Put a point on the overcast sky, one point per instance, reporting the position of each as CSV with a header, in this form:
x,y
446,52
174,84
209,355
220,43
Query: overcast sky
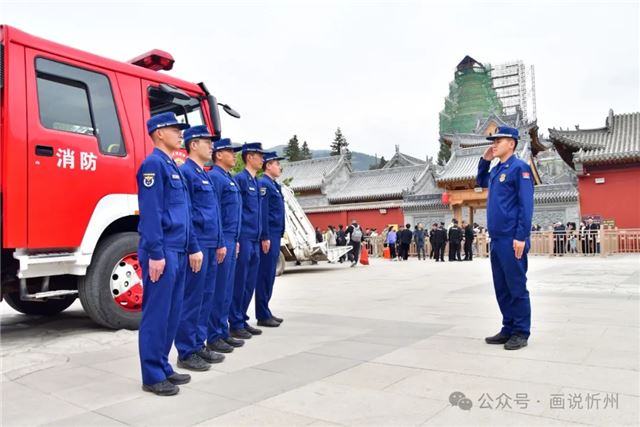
x,y
378,69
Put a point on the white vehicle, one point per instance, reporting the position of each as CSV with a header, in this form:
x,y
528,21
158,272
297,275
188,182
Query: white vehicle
x,y
299,241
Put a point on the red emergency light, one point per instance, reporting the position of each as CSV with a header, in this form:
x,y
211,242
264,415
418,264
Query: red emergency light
x,y
155,60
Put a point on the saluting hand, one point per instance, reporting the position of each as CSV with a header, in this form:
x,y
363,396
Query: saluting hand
x,y
195,261
266,245
156,267
488,154
518,248
221,253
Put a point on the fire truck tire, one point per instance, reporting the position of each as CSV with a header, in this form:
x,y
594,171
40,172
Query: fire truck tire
x,y
281,265
48,307
94,289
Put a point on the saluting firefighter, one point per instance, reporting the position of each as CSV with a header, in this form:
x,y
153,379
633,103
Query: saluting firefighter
x,y
230,201
273,224
250,232
509,216
166,236
199,288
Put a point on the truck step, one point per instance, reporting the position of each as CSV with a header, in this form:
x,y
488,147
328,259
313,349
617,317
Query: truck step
x,y
50,294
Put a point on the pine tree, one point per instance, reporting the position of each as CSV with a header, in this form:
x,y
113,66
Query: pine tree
x,y
378,164
292,150
339,143
305,153
444,154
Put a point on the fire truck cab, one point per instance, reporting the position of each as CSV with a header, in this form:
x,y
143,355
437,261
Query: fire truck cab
x,y
72,136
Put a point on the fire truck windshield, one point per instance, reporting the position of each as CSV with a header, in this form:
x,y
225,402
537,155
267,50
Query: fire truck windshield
x,y
187,111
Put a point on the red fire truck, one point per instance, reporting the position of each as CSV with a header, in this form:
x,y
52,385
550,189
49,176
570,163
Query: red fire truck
x,y
72,136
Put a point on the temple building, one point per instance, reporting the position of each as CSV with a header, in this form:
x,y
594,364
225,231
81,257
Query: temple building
x,y
607,163
555,197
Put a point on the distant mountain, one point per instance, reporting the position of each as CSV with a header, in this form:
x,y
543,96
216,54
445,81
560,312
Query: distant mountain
x,y
359,161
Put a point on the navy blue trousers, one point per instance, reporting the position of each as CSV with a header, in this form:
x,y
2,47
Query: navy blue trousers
x,y
266,278
197,305
161,306
222,295
245,282
510,283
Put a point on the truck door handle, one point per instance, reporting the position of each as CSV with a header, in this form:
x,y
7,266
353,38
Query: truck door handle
x,y
44,150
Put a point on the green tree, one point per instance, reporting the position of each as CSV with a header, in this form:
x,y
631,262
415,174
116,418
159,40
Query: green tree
x,y
339,143
292,150
444,154
378,164
305,153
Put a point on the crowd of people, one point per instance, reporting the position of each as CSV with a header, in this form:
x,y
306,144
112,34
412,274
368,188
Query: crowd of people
x,y
572,239
398,240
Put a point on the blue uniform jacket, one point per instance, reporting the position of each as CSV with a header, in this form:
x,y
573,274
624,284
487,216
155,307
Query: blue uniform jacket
x,y
510,202
207,224
272,208
251,219
165,207
230,202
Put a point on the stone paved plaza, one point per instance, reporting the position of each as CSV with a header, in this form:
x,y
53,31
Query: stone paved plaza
x,y
386,344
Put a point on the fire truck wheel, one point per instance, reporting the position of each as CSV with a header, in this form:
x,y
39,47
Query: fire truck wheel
x,y
281,265
47,307
111,292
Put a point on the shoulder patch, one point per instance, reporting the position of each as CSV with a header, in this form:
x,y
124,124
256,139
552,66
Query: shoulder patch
x,y
526,175
148,179
263,191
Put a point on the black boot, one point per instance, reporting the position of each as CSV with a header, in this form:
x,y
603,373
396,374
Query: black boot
x,y
498,338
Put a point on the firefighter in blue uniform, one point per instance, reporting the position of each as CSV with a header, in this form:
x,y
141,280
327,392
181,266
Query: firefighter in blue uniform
x,y
199,287
273,223
165,239
250,232
230,202
509,215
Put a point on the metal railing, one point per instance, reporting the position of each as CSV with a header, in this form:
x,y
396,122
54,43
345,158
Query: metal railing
x,y
600,242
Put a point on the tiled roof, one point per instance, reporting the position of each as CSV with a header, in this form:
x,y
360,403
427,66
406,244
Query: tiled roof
x,y
555,193
309,174
618,141
378,184
465,139
362,206
425,201
399,159
463,163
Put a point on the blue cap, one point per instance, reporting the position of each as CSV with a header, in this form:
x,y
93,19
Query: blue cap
x,y
194,132
164,120
271,155
252,147
225,144
505,132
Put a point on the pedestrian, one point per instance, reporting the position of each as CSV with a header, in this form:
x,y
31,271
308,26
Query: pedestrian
x,y
592,235
165,232
319,238
331,234
341,240
355,240
219,338
509,217
207,228
405,237
390,242
419,238
250,232
432,232
273,223
455,237
468,241
439,242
